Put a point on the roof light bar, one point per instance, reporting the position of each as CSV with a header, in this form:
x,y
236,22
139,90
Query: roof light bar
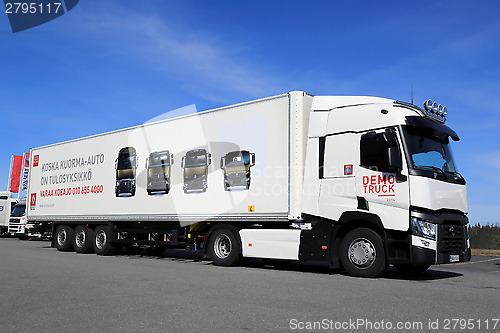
x,y
435,111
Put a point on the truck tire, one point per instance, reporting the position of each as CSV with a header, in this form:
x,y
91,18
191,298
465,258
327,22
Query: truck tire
x,y
411,269
101,244
83,239
224,248
64,238
362,253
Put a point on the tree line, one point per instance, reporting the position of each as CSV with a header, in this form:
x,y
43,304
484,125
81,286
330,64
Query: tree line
x,y
485,236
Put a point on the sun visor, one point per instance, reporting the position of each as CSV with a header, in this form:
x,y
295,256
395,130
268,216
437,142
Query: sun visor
x,y
423,122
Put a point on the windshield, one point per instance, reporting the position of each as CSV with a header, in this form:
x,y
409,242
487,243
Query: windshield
x,y
126,162
429,150
157,160
157,171
195,160
18,211
237,158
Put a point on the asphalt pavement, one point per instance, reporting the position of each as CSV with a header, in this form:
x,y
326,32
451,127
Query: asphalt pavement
x,y
43,290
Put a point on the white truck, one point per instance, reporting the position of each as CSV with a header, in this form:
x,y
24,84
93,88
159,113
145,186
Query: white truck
x,y
18,220
6,205
358,182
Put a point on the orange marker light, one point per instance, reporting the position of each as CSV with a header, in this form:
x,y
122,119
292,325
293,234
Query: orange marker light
x,y
324,247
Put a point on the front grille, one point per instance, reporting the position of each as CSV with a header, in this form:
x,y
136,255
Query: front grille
x,y
125,186
452,238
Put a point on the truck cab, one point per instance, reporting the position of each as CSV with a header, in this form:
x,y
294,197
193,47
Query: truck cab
x,y
17,222
236,168
158,166
386,166
6,205
195,165
126,165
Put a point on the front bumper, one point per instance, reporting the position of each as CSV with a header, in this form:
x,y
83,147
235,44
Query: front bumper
x,y
125,186
451,244
158,185
195,184
422,256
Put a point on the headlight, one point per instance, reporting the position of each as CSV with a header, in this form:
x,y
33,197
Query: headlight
x,y
423,228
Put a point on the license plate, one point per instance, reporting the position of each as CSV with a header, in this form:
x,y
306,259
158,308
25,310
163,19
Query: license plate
x,y
454,258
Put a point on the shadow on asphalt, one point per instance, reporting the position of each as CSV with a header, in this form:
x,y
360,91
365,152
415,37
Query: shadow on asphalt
x,y
428,275
283,265
310,267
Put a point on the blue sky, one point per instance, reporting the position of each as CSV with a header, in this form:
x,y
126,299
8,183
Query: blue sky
x,y
110,64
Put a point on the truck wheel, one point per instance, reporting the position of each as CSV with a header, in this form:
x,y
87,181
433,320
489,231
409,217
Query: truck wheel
x,y
224,248
102,245
83,239
362,253
64,238
411,269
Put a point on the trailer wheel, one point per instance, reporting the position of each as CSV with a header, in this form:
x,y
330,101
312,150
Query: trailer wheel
x,y
102,245
411,269
83,239
64,238
224,248
362,253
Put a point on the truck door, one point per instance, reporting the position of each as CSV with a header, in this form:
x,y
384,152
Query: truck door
x,y
337,193
382,184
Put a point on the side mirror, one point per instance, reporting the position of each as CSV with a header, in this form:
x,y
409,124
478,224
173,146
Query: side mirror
x,y
136,162
252,159
222,162
171,159
182,161
393,159
389,137
147,163
116,164
209,159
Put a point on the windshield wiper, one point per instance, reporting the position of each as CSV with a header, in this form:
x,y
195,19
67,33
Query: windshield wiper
x,y
456,175
433,168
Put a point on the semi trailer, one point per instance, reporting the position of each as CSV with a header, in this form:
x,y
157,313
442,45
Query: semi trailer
x,y
358,182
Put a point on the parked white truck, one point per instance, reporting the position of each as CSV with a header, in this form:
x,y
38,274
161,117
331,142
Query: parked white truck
x,y
6,205
18,220
358,182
